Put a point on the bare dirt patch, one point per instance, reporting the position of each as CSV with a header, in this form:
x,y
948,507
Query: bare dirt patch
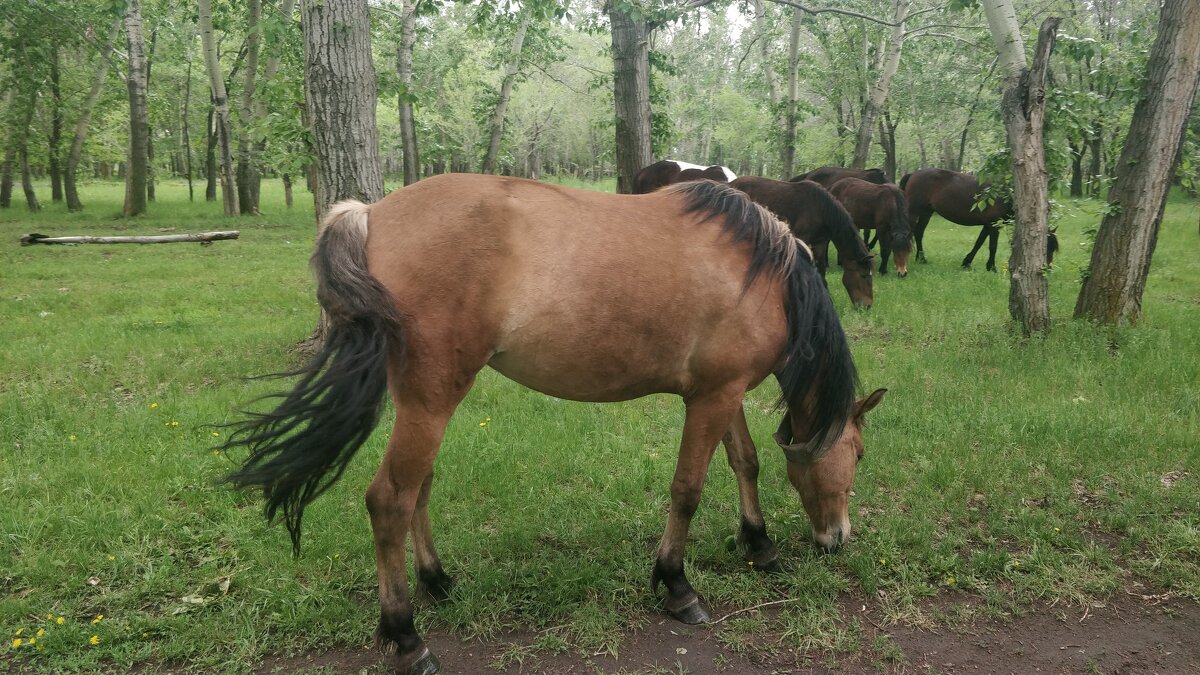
x,y
1131,632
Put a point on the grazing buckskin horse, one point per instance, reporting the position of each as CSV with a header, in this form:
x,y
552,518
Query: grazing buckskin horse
x,y
693,290
818,219
881,208
669,171
826,176
953,196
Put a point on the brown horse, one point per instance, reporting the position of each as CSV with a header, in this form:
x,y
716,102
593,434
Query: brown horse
x,y
826,176
670,171
589,296
817,218
954,196
881,208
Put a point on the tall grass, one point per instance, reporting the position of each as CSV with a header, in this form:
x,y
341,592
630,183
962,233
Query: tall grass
x,y
1010,471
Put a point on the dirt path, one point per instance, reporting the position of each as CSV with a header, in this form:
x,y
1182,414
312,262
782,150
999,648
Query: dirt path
x,y
1131,633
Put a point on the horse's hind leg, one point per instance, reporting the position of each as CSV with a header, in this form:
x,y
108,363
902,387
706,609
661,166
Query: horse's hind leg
x,y
743,459
396,501
920,221
428,567
706,421
983,234
992,243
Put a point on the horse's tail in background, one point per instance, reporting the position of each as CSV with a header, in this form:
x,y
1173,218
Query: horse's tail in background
x,y
819,369
904,180
301,448
901,224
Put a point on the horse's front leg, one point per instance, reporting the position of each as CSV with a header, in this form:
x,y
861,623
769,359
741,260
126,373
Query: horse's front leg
x,y
705,421
743,459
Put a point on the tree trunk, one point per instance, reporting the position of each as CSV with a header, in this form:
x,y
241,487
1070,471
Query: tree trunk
x,y
31,199
1096,161
287,190
247,163
1112,291
210,155
887,141
229,193
85,116
879,90
631,92
339,80
139,132
286,9
56,124
511,70
404,61
186,135
149,129
6,176
790,121
1076,149
1023,109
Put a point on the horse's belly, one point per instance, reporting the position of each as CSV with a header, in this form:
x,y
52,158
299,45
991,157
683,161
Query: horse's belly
x,y
585,374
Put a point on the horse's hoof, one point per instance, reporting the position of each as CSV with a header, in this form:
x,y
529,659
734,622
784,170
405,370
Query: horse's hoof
x,y
437,584
691,612
425,664
771,566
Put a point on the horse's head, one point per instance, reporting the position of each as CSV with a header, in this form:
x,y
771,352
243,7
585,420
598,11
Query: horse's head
x,y
857,277
824,482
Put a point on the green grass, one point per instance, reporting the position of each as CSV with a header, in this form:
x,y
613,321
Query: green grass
x,y
1002,471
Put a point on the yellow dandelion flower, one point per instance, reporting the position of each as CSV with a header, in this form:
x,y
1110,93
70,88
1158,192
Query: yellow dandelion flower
x,y
41,632
19,631
216,452
49,616
153,406
483,424
951,580
145,635
94,640
60,621
883,561
1056,530
98,619
71,438
17,642
112,557
32,642
216,433
489,419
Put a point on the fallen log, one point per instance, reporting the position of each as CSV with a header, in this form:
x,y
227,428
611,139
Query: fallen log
x,y
202,237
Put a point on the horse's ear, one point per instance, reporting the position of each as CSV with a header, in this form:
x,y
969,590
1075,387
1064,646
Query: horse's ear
x,y
866,405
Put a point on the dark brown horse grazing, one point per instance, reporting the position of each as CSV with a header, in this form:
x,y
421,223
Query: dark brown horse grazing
x,y
953,196
881,208
818,219
826,176
670,171
589,296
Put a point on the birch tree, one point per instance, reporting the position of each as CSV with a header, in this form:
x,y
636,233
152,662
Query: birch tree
x,y
70,191
404,67
216,81
139,120
512,68
887,64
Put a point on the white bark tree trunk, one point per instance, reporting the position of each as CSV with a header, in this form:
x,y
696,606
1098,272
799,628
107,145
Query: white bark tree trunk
x,y
139,119
216,81
404,64
85,116
890,63
511,69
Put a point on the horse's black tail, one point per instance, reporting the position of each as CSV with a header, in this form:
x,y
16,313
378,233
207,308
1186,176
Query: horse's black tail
x,y
901,224
818,375
301,448
904,180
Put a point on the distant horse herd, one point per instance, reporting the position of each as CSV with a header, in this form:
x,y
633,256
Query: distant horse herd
x,y
702,287
896,214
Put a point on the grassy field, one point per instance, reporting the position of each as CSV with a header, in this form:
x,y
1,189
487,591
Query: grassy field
x,y
1000,475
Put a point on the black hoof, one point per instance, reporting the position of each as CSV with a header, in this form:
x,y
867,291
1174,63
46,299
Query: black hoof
x,y
425,664
691,612
771,566
437,583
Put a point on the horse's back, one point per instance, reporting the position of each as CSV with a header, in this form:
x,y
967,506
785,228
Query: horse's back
x,y
569,291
